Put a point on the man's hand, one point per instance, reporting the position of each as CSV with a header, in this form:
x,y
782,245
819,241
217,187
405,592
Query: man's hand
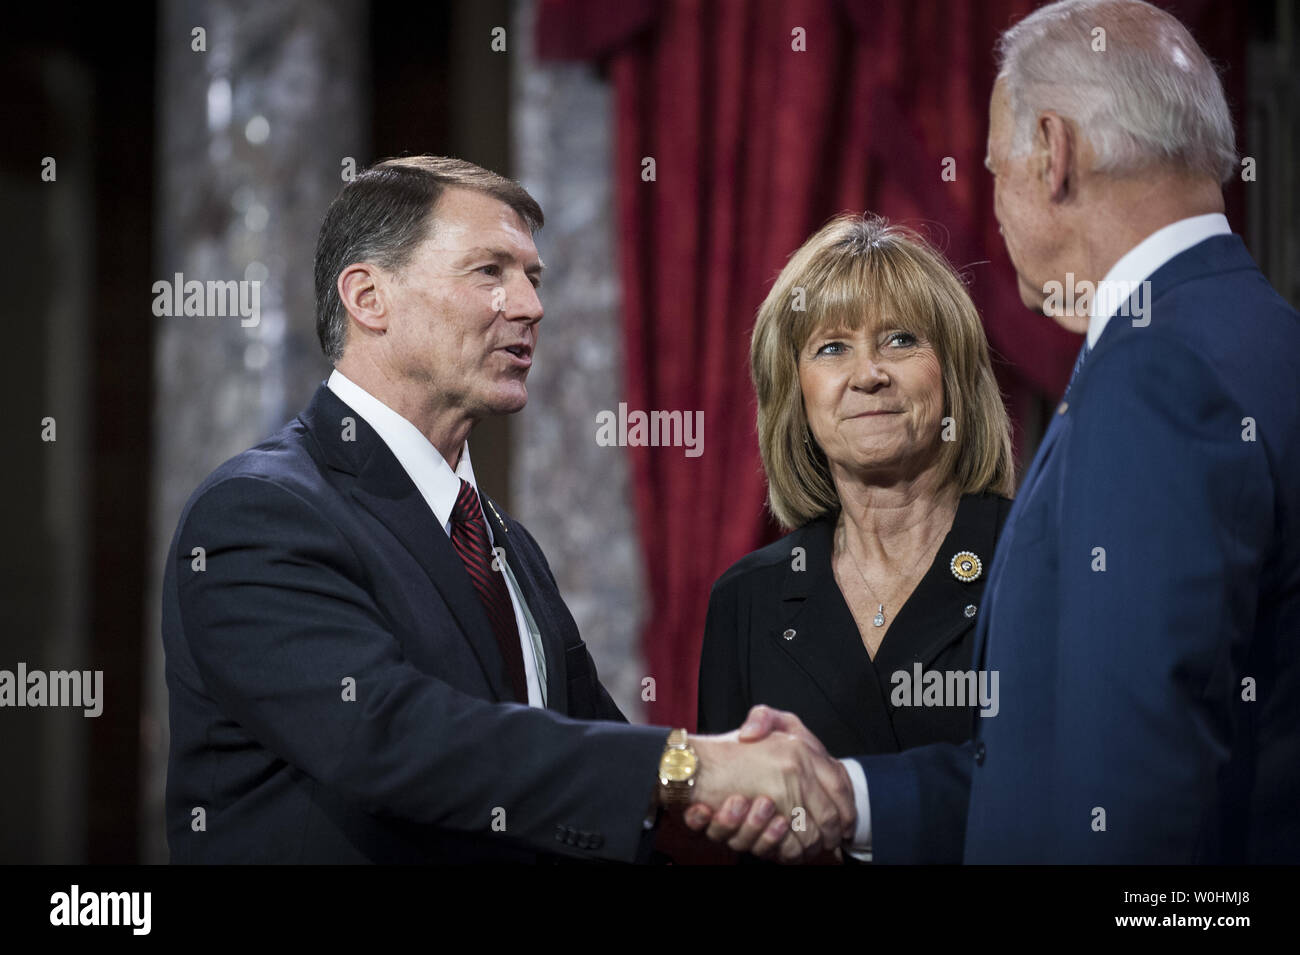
x,y
753,780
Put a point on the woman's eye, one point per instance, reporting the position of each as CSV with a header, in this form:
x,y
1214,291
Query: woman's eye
x,y
902,339
830,345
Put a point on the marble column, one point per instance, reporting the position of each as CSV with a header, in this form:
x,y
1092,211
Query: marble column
x,y
254,131
574,495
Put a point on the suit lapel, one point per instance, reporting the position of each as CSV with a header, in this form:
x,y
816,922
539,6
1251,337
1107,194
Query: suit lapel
x,y
825,642
539,604
385,490
934,615
1008,538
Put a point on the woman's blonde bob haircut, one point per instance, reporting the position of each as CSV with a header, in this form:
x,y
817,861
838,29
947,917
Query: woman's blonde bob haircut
x,y
860,271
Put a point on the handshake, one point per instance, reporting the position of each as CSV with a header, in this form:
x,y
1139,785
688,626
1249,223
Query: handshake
x,y
770,788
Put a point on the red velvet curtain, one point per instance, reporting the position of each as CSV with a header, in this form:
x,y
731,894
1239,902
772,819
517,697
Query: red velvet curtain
x,y
755,145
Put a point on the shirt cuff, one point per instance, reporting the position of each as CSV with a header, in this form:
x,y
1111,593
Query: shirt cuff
x,y
860,848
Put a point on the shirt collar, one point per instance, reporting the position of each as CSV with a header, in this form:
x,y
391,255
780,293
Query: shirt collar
x,y
1141,262
433,477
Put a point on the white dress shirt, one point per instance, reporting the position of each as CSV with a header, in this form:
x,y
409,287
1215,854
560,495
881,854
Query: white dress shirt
x,y
1140,262
1135,266
439,485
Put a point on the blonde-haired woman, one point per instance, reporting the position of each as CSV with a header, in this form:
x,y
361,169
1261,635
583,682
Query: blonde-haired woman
x,y
888,453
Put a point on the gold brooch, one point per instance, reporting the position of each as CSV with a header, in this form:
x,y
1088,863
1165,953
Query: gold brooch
x,y
966,567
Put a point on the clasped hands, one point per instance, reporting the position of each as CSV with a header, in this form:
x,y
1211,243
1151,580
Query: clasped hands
x,y
770,788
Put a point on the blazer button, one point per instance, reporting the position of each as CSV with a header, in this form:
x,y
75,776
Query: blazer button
x,y
789,634
970,610
979,754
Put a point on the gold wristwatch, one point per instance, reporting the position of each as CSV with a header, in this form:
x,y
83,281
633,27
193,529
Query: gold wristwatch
x,y
678,768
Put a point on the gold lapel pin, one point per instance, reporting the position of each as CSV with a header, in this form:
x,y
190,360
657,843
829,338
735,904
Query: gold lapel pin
x,y
497,516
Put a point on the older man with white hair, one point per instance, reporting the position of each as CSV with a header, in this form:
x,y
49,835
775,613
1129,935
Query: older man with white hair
x,y
1143,609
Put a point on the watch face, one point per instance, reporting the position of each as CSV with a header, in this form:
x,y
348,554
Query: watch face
x,y
677,765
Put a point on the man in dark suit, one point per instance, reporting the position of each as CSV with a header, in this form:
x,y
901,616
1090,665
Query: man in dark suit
x,y
367,660
1143,609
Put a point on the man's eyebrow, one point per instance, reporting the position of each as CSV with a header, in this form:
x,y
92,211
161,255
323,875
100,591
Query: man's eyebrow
x,y
500,255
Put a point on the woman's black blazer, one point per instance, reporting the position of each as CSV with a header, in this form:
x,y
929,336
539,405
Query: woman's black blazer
x,y
779,632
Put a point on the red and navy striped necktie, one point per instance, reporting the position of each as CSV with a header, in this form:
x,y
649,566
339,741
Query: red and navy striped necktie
x,y
469,536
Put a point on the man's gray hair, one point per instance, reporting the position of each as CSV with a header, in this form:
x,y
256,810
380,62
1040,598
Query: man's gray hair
x,y
1150,97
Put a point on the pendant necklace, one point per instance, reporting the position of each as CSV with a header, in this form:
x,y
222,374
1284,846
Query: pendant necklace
x,y
879,619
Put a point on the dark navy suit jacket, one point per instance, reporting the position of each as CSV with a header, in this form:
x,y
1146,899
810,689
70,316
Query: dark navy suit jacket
x,y
1150,710
324,575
